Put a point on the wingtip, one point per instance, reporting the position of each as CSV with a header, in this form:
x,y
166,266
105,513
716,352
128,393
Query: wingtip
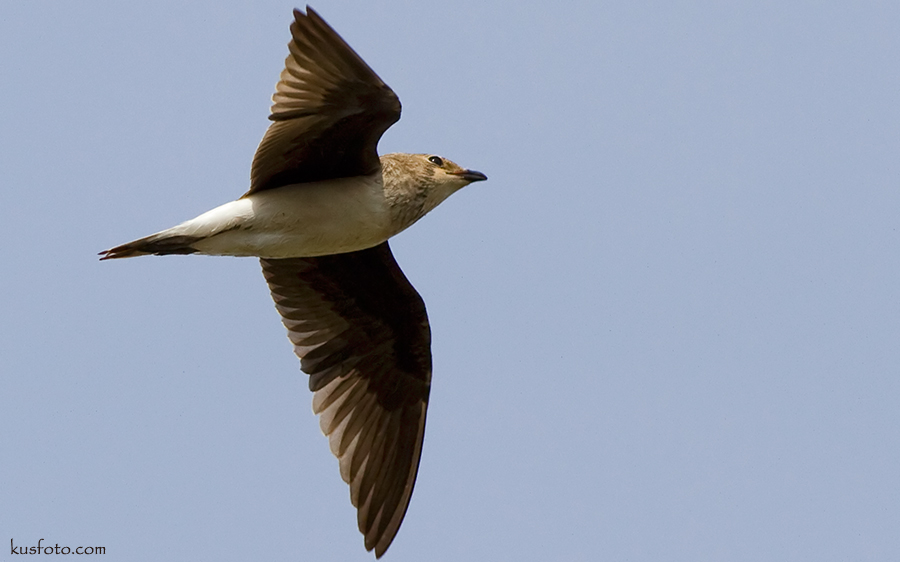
x,y
310,13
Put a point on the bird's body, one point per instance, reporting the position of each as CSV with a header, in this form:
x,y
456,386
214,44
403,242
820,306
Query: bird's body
x,y
320,210
319,218
301,220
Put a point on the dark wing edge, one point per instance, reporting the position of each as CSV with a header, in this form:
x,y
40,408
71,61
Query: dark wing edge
x,y
330,110
362,334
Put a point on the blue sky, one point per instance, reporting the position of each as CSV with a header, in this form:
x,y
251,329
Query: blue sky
x,y
667,327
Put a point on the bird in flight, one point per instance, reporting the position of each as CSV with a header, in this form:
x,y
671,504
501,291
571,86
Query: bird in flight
x,y
320,210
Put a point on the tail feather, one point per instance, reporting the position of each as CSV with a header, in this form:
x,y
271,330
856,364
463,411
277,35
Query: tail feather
x,y
153,244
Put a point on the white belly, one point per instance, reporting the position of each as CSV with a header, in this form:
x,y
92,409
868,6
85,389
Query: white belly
x,y
311,219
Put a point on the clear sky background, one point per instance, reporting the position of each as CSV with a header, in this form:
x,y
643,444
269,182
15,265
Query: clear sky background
x,y
666,329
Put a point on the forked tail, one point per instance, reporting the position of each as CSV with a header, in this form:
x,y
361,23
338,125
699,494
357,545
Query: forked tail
x,y
155,244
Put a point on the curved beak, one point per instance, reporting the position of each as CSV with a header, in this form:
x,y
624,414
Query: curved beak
x,y
470,175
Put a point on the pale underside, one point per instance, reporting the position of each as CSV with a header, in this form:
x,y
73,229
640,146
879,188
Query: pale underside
x,y
312,219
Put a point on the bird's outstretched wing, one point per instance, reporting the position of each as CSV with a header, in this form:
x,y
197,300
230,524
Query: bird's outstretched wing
x,y
330,111
362,334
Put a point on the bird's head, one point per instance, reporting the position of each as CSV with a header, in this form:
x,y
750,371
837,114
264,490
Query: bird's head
x,y
417,183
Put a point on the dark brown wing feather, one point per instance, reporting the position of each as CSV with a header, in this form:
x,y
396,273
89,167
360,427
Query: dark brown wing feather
x,y
330,111
361,332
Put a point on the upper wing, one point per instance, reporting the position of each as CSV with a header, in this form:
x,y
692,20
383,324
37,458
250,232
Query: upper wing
x,y
330,111
361,332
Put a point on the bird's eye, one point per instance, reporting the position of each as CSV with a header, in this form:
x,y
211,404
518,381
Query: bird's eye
x,y
436,160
